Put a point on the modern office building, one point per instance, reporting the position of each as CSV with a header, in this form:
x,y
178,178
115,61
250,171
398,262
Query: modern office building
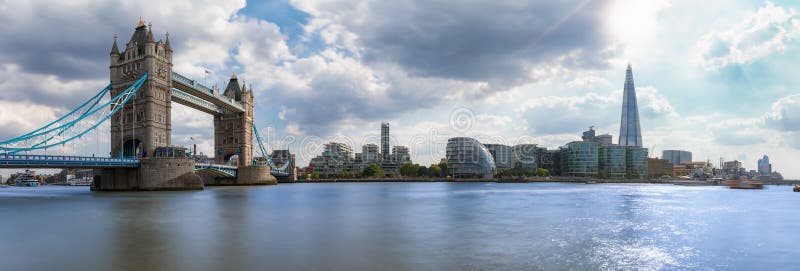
x,y
630,133
580,159
611,161
602,140
676,157
501,155
385,141
764,167
549,160
468,158
525,156
635,162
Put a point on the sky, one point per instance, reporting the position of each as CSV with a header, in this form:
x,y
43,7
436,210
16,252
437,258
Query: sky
x,y
717,78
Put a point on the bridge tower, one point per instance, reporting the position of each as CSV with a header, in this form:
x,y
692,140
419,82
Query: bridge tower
x,y
233,132
145,122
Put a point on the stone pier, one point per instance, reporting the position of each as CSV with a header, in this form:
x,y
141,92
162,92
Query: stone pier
x,y
153,174
251,175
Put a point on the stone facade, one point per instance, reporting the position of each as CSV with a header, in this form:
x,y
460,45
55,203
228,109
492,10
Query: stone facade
x,y
144,123
153,174
233,132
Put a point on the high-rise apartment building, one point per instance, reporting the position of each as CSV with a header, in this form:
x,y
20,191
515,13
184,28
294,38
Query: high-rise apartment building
x,y
385,141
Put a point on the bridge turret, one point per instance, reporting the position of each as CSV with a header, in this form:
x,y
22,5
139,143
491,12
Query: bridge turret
x,y
114,51
144,123
168,49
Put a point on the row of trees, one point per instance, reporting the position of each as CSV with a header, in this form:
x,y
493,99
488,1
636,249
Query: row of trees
x,y
415,170
521,172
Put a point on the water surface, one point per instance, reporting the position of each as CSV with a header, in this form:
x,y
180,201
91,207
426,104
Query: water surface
x,y
402,226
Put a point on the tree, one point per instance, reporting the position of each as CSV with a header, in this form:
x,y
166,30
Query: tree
x,y
422,171
347,174
314,176
443,167
435,171
372,170
602,174
409,170
541,172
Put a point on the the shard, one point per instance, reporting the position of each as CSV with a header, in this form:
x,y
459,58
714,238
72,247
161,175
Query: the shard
x,y
630,134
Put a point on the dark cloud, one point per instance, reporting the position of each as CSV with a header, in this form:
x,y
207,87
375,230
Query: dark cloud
x,y
500,42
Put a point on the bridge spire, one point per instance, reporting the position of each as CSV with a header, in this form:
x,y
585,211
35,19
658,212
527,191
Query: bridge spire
x,y
114,49
166,44
150,34
140,23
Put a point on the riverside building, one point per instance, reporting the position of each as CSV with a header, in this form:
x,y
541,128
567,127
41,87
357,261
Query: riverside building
x,y
468,158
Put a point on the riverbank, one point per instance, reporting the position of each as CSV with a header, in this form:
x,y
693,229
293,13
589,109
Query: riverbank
x,y
538,180
497,180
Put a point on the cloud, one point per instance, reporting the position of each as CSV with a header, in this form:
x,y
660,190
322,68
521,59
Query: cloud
x,y
17,118
501,43
767,31
785,114
738,132
320,92
562,114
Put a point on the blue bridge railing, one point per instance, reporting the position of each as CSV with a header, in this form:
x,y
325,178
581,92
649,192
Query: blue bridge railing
x,y
55,161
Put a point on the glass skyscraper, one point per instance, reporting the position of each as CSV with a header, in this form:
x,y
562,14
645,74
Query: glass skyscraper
x,y
630,134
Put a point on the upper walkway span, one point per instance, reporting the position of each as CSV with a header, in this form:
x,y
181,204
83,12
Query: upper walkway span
x,y
190,93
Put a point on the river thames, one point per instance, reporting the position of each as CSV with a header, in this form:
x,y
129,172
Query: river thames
x,y
402,226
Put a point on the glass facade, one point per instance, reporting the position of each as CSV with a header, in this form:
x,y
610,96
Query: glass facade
x,y
636,162
501,155
630,134
525,156
579,159
676,157
468,158
612,161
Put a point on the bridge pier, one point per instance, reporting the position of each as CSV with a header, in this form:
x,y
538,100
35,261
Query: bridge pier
x,y
250,175
153,174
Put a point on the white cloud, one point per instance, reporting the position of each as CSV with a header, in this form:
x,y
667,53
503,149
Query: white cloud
x,y
561,114
766,31
784,114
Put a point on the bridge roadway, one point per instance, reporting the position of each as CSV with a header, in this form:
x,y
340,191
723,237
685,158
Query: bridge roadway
x,y
62,161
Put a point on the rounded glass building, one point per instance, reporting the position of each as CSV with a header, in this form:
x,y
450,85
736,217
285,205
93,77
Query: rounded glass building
x,y
468,158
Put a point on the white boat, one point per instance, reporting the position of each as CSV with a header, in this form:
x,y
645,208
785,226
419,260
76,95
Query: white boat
x,y
26,179
80,181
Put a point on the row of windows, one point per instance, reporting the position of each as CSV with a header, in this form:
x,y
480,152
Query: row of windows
x,y
161,117
131,67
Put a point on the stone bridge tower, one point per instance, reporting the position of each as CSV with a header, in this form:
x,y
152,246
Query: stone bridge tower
x,y
144,123
233,132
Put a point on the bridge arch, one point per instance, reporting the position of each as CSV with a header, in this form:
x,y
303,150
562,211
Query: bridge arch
x,y
132,148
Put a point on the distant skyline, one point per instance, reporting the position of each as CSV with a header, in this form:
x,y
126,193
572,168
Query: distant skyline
x,y
716,78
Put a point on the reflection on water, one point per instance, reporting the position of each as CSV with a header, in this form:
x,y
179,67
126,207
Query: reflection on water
x,y
409,226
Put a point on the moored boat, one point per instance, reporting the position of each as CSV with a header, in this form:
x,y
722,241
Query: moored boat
x,y
796,188
26,179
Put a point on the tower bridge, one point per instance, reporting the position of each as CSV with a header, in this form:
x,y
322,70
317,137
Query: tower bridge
x,y
142,90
